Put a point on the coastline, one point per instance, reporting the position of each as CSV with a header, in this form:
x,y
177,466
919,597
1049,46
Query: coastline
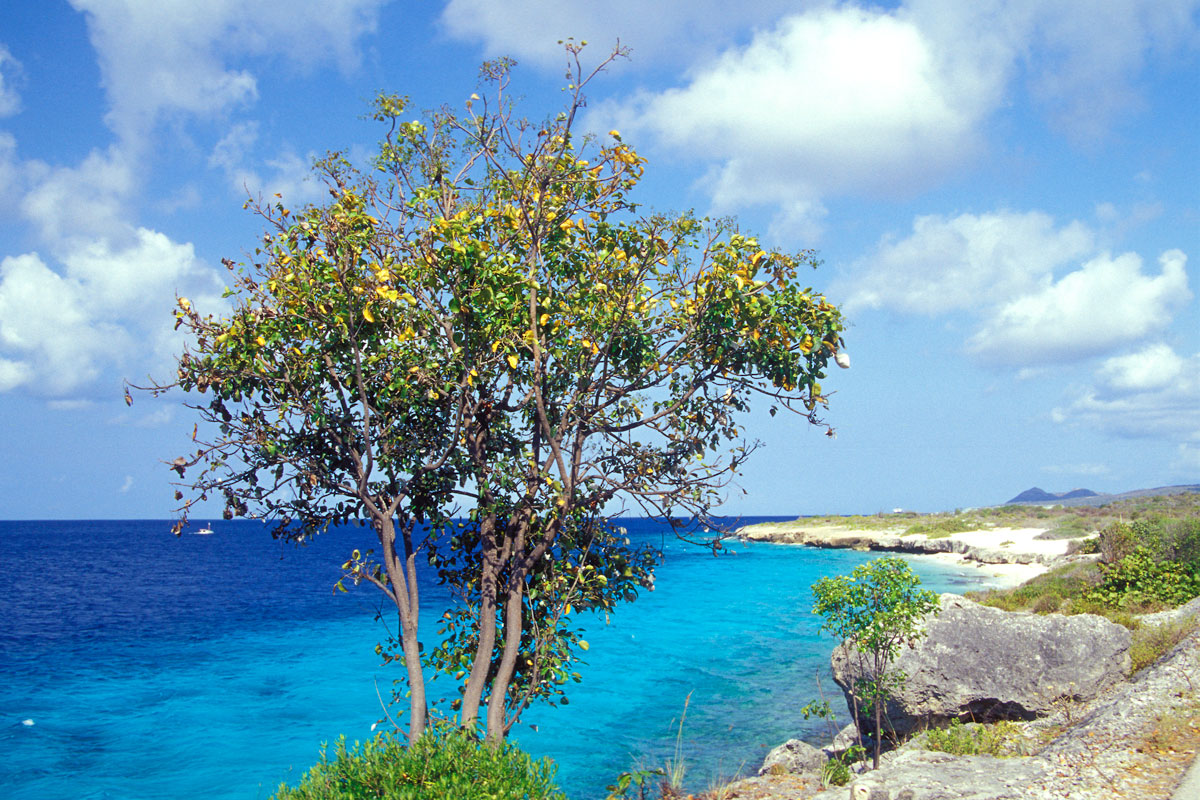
x,y
1009,556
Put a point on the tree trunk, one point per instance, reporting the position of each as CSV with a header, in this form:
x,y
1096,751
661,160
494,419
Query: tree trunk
x,y
486,623
407,598
878,728
513,626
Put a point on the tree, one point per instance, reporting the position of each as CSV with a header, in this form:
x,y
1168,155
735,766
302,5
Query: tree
x,y
874,612
483,349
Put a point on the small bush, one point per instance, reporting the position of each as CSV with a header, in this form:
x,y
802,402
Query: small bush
x,y
1001,739
1045,592
1139,579
1117,541
1151,642
441,765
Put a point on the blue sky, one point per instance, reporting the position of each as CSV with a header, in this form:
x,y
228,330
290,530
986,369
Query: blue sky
x,y
1006,196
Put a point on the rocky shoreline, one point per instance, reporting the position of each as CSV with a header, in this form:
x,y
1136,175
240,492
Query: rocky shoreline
x,y
1000,547
1109,735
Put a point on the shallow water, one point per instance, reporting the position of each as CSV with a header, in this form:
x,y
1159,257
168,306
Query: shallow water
x,y
214,666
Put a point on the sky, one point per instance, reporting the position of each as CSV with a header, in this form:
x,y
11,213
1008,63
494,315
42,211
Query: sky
x,y
1005,196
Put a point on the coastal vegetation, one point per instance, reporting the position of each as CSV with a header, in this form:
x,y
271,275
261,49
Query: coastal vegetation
x,y
1060,521
481,348
442,764
874,612
1148,553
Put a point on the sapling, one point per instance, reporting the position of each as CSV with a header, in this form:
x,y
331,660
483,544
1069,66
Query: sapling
x,y
874,611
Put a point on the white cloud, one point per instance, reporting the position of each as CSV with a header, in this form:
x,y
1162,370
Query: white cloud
x,y
289,176
965,262
1157,399
831,101
842,99
13,374
529,30
1021,276
10,72
68,203
110,308
1105,304
171,55
127,485
1153,369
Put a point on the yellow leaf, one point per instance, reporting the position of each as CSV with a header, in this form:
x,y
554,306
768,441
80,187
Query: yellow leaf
x,y
261,341
583,645
513,361
367,315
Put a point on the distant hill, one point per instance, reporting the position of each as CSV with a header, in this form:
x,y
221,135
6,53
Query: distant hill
x,y
1086,497
1036,495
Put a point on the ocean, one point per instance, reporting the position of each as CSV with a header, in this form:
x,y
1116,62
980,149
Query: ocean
x,y
137,665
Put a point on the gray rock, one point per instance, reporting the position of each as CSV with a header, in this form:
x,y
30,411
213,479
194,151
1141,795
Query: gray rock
x,y
924,775
793,756
846,738
983,664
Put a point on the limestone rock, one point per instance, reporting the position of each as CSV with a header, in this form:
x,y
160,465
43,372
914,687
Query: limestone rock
x,y
983,664
924,775
793,756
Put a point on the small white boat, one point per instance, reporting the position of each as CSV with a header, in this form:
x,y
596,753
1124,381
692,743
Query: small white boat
x,y
205,531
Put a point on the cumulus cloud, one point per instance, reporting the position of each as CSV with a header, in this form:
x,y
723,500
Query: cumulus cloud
x,y
170,56
832,101
109,307
68,203
100,297
1151,393
964,262
1153,369
664,30
10,73
1105,304
843,99
1040,292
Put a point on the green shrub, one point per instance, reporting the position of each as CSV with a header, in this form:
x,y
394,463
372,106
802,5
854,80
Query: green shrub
x,y
1117,541
1045,592
441,765
1181,538
1001,739
1150,642
1140,579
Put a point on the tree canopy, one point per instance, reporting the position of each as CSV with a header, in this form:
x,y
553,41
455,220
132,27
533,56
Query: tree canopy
x,y
482,346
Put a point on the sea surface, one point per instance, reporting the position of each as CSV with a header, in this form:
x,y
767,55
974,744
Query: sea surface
x,y
138,665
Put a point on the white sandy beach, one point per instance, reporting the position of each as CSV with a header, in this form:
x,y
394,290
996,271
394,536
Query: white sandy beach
x,y
1006,556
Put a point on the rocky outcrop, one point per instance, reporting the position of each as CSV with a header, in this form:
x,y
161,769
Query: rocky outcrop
x,y
983,664
793,756
1096,750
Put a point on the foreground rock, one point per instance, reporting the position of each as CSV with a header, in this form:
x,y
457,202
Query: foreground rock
x,y
794,757
978,663
1134,741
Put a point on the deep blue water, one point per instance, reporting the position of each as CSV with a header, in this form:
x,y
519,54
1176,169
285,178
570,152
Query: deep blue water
x,y
214,666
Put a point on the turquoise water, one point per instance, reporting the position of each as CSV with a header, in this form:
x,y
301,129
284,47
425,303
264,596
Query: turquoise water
x,y
155,667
